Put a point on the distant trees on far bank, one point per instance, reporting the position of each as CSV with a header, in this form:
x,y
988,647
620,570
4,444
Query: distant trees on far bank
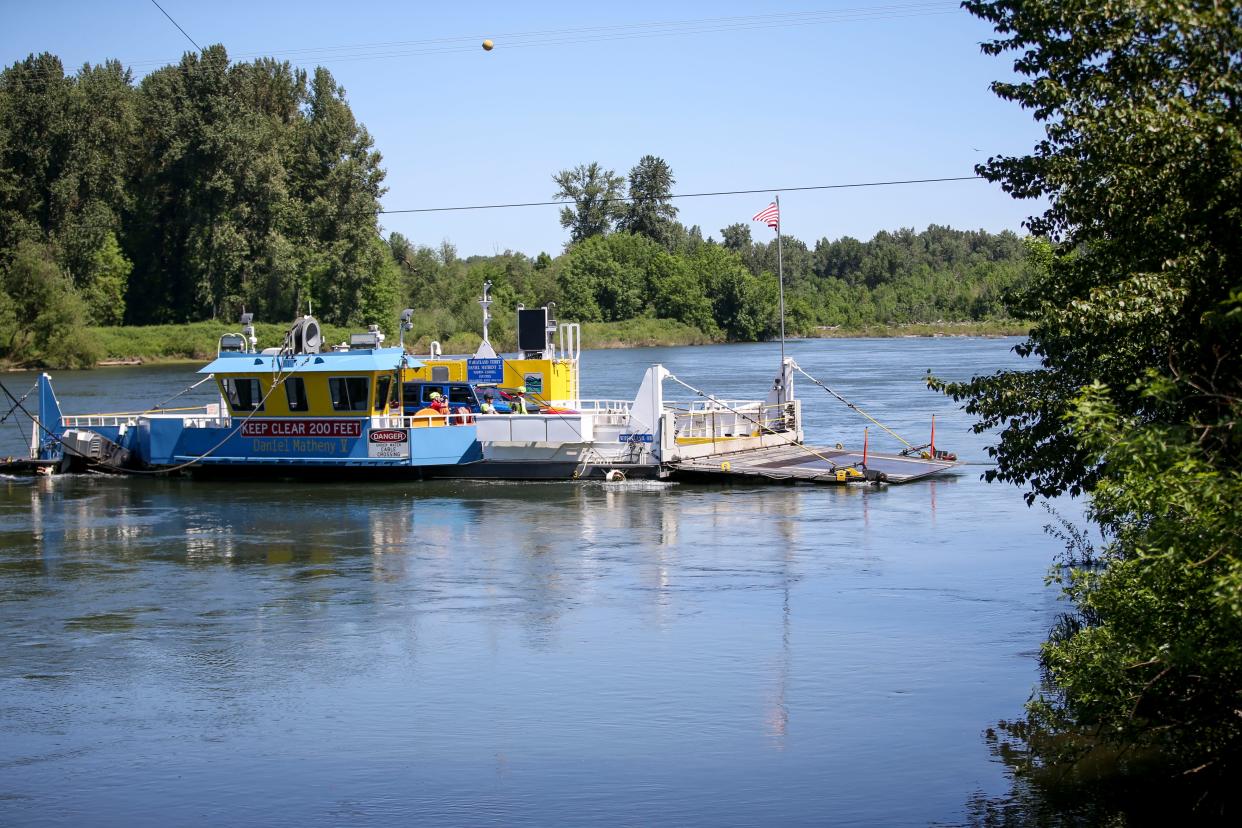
x,y
204,187
726,289
209,186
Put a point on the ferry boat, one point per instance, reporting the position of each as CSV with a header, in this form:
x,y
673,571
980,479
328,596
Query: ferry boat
x,y
565,436
360,409
296,410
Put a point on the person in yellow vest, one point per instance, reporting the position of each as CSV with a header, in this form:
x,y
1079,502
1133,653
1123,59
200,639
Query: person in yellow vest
x,y
518,404
487,407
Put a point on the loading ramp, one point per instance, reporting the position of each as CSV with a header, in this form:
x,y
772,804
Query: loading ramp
x,y
811,464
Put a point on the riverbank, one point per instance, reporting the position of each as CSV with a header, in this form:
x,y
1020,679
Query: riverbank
x,y
1004,327
197,341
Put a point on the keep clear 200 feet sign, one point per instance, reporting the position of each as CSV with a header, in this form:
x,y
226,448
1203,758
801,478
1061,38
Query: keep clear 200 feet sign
x,y
388,443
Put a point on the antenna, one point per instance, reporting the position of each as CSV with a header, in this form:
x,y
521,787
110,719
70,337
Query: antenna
x,y
247,320
485,349
406,325
486,303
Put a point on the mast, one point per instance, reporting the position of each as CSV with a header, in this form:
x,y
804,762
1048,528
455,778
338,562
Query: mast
x,y
780,271
485,350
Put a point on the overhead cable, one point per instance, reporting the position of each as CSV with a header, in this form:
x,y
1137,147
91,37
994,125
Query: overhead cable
x,y
688,195
178,25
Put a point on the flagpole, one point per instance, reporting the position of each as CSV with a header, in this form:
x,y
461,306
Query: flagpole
x,y
780,271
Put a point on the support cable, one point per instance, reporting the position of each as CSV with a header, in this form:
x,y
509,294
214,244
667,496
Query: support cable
x,y
18,402
159,406
853,407
277,378
793,441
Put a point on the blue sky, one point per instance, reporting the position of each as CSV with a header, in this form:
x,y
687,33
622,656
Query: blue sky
x,y
768,102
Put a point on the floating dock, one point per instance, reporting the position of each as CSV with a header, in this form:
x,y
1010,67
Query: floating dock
x,y
812,464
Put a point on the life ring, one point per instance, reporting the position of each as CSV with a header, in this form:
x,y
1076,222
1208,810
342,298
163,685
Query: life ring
x,y
463,416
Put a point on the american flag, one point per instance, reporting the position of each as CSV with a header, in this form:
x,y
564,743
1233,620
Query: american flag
x,y
770,215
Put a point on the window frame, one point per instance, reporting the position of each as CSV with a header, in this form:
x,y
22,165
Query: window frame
x,y
302,403
464,393
231,392
360,403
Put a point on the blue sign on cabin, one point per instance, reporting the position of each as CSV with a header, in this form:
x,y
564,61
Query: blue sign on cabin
x,y
485,370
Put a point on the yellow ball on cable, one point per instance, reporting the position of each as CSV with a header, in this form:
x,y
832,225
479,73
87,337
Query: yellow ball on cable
x,y
488,45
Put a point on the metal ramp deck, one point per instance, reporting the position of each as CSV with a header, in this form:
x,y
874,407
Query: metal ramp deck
x,y
812,464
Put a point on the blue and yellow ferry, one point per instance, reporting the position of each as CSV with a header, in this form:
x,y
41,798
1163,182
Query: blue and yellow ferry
x,y
298,410
361,409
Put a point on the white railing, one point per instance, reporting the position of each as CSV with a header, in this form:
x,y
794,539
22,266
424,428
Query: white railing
x,y
738,419
205,416
605,406
422,420
98,420
536,428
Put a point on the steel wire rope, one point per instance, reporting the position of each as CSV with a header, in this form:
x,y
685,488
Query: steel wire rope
x,y
571,40
852,406
178,25
18,404
558,37
716,25
163,471
159,406
13,408
337,55
595,33
565,202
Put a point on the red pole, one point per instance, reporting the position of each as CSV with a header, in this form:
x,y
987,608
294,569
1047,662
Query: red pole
x,y
865,430
933,437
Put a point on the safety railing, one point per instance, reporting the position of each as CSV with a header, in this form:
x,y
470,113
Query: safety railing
x,y
733,419
423,420
197,417
607,406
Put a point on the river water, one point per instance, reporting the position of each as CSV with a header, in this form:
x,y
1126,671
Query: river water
x,y
458,653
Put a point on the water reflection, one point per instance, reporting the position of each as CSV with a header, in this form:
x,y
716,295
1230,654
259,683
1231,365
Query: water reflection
x,y
519,654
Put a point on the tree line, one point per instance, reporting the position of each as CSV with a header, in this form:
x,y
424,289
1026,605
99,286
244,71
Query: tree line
x,y
205,187
210,186
1133,397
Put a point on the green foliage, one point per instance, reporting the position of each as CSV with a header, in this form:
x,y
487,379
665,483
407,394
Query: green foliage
x,y
1153,657
1142,164
1137,311
225,185
650,211
213,186
191,341
104,291
42,317
598,200
642,331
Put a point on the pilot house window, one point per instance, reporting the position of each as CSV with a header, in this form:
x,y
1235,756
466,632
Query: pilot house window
x,y
295,393
350,393
243,394
381,392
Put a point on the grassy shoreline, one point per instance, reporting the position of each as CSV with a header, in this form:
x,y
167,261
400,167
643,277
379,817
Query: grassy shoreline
x,y
1006,327
196,341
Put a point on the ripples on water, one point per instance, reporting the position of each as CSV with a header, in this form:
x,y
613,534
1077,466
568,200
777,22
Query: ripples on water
x,y
175,651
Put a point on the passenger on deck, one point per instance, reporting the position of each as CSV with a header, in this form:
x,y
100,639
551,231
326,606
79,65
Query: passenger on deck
x,y
518,404
486,407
